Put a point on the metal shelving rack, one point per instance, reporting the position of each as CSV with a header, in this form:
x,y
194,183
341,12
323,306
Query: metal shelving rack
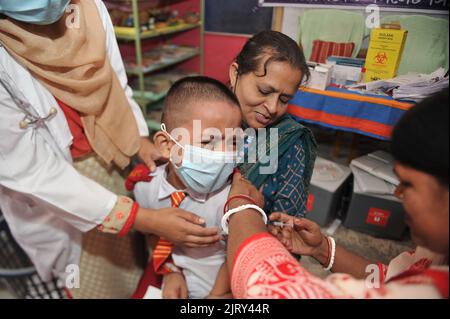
x,y
143,96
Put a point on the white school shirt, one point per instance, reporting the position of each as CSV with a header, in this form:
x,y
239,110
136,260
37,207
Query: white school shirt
x,y
46,202
200,265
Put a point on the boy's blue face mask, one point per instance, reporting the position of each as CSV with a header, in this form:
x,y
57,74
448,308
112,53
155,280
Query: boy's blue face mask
x,y
203,171
42,12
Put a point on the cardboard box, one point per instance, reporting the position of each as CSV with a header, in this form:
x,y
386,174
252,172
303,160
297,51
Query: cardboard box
x,y
346,71
375,214
320,76
328,186
384,53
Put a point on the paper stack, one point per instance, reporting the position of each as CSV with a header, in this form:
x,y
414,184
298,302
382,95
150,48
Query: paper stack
x,y
412,87
422,88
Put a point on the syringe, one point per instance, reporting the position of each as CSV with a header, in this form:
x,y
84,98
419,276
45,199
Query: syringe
x,y
280,224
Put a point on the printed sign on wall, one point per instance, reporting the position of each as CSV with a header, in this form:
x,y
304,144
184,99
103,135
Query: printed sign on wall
x,y
438,6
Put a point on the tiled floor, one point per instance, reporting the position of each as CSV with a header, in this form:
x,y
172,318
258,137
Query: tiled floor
x,y
4,293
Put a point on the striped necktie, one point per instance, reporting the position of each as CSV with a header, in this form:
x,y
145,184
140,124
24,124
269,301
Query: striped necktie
x,y
162,261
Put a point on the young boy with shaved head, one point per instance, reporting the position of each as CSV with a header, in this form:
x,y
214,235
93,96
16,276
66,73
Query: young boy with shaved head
x,y
197,113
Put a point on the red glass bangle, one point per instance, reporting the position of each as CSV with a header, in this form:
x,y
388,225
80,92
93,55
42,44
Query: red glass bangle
x,y
130,221
381,270
225,208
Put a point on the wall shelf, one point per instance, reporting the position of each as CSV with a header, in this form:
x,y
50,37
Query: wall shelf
x,y
163,65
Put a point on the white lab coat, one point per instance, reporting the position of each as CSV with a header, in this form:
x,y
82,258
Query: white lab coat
x,y
45,201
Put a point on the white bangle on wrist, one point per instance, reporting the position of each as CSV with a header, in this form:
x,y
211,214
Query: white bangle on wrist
x,y
240,209
333,253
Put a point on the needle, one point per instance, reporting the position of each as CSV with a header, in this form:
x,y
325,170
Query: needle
x,y
280,224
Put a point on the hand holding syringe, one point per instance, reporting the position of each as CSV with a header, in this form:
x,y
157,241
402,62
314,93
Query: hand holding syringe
x,y
299,235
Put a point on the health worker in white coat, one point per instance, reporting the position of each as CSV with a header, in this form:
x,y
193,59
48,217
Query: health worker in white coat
x,y
68,129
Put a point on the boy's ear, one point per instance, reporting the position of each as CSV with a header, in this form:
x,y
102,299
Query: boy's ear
x,y
233,74
162,143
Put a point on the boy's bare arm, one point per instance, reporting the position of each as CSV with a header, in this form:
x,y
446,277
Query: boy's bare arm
x,y
222,286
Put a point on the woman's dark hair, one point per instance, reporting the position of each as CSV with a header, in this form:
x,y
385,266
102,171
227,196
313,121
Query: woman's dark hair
x,y
278,46
420,139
